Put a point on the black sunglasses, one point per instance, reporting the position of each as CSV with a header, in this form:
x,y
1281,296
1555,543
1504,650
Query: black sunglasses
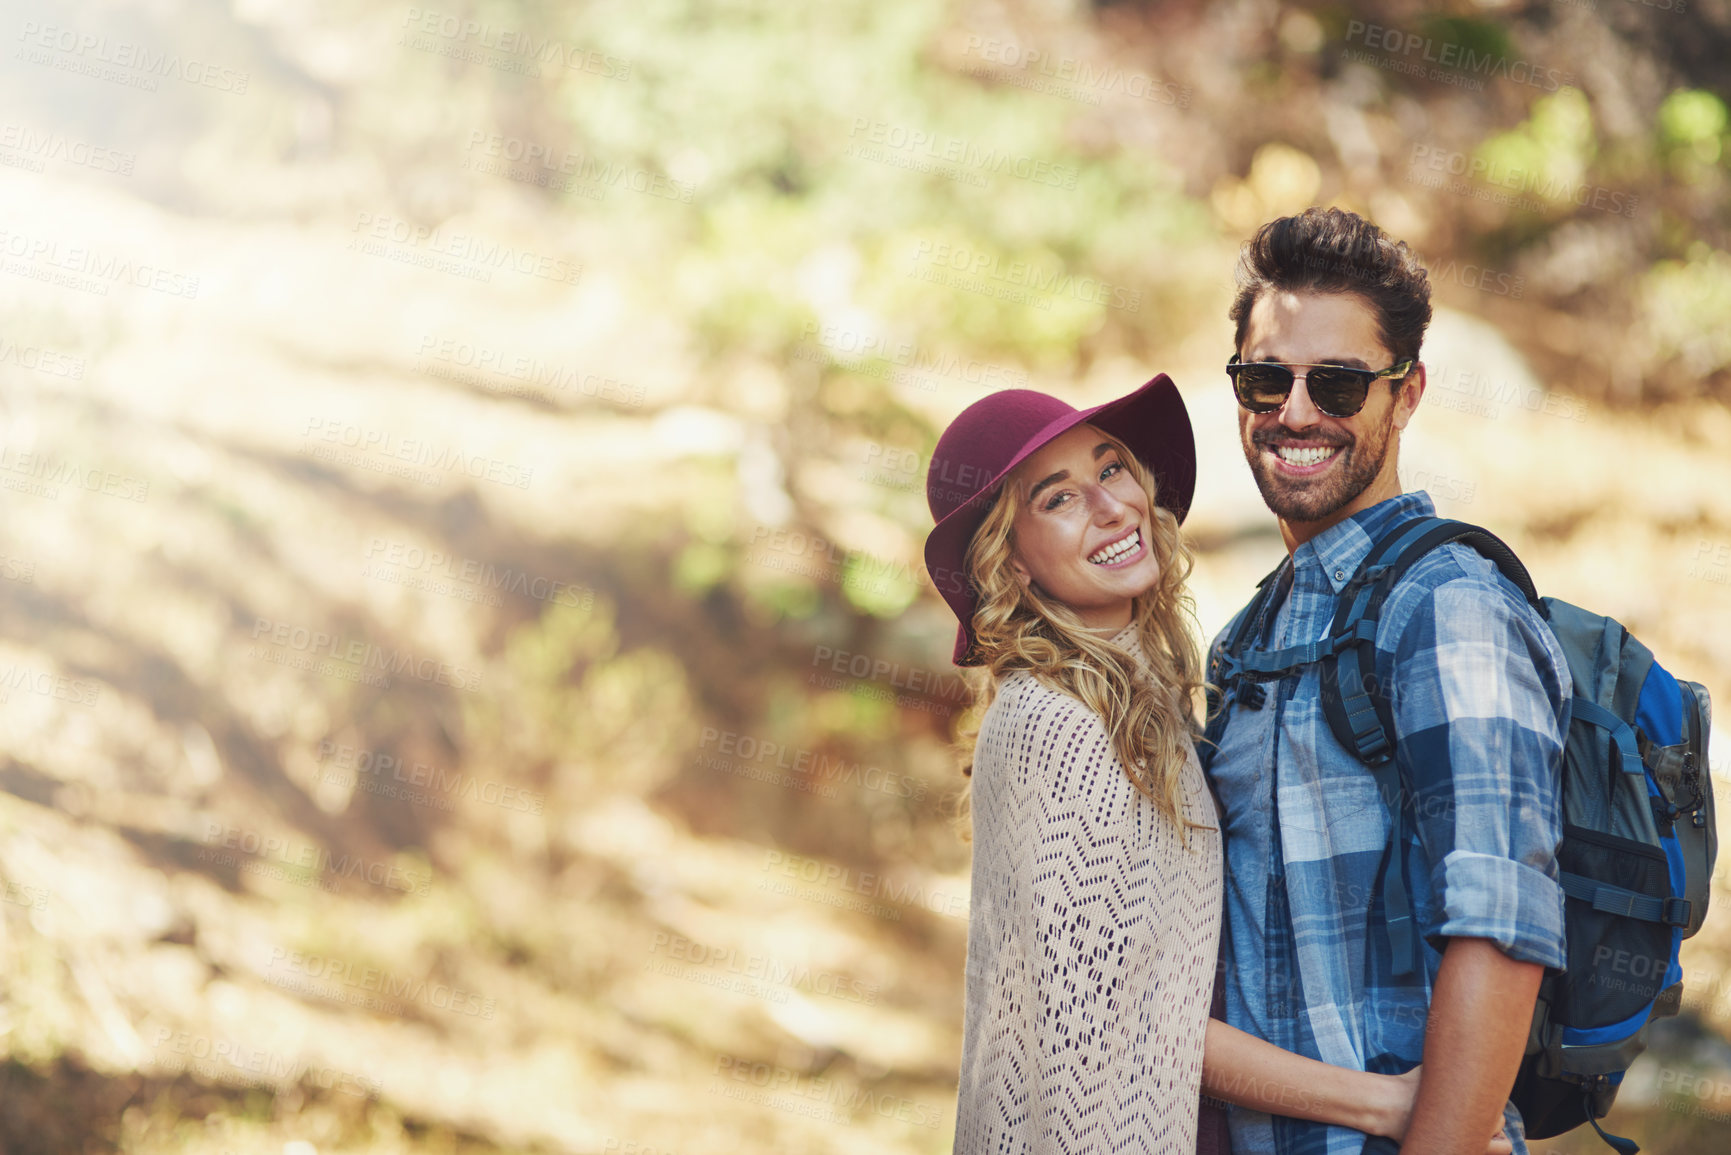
x,y
1263,386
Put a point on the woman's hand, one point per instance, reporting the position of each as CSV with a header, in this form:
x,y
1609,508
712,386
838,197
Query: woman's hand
x,y
1397,1113
1394,1115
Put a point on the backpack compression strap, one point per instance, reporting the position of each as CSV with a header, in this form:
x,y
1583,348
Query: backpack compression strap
x,y
1225,664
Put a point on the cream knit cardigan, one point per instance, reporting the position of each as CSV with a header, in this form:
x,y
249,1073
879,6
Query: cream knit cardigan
x,y
1092,940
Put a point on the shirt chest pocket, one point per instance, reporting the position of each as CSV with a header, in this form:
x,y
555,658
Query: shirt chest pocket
x,y
1323,790
1333,814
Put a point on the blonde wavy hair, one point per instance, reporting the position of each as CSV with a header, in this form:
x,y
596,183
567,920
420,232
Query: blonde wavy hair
x,y
1152,721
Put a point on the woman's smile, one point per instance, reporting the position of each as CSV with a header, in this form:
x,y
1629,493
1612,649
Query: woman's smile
x,y
1122,550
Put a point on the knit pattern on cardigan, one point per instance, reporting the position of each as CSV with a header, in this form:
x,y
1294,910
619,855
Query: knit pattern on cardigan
x,y
1092,940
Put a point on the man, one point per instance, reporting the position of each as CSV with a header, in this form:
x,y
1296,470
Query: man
x,y
1479,693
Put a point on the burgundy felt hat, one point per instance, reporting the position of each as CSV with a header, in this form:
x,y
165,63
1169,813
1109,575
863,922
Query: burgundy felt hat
x,y
995,434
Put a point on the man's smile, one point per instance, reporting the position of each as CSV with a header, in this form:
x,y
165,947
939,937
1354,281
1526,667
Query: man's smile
x,y
1299,456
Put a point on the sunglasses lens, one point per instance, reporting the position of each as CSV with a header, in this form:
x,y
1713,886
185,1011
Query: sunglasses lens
x,y
1261,388
1338,392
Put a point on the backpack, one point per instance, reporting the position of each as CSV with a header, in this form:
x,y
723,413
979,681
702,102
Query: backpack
x,y
1639,839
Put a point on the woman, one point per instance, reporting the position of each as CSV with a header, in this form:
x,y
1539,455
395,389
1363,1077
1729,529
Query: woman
x,y
1095,913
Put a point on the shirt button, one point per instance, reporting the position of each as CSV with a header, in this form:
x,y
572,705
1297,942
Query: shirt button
x,y
1339,575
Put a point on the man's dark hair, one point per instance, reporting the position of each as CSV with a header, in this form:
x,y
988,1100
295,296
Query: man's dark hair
x,y
1334,251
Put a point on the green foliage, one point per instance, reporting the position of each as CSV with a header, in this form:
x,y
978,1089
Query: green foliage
x,y
1553,148
1481,39
1686,304
1695,121
1690,116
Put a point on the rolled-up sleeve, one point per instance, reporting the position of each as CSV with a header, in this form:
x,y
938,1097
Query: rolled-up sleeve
x,y
1481,707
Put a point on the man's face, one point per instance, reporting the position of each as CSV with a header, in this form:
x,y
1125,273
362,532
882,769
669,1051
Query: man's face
x,y
1309,466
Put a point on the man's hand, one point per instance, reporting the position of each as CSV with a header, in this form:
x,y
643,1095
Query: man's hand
x,y
1480,1010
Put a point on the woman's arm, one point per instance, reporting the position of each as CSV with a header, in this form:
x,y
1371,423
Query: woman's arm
x,y
1240,1068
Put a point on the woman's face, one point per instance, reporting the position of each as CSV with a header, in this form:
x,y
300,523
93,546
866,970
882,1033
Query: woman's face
x,y
1083,532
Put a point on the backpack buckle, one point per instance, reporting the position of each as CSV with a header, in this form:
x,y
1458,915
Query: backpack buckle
x,y
1676,911
1368,576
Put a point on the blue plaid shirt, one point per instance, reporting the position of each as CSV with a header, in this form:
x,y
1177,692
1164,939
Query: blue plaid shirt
x,y
1480,694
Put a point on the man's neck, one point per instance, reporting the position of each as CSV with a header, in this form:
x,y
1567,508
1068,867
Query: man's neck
x,y
1296,533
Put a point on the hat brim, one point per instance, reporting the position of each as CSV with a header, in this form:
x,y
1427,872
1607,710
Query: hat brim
x,y
1152,421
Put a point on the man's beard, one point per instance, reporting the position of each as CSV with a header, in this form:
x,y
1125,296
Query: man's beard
x,y
1308,499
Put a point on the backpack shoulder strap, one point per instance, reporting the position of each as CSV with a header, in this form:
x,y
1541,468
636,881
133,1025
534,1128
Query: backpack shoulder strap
x,y
1225,674
1360,711
1356,708
1242,627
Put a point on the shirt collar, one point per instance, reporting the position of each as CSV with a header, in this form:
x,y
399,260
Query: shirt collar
x,y
1338,550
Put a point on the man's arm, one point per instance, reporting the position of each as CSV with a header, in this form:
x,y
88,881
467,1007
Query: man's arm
x,y
1481,716
1480,1010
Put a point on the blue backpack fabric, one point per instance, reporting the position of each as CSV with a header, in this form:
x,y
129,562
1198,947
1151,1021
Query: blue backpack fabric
x,y
1639,840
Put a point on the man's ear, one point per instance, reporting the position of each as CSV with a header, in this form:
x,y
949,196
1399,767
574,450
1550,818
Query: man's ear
x,y
1411,390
